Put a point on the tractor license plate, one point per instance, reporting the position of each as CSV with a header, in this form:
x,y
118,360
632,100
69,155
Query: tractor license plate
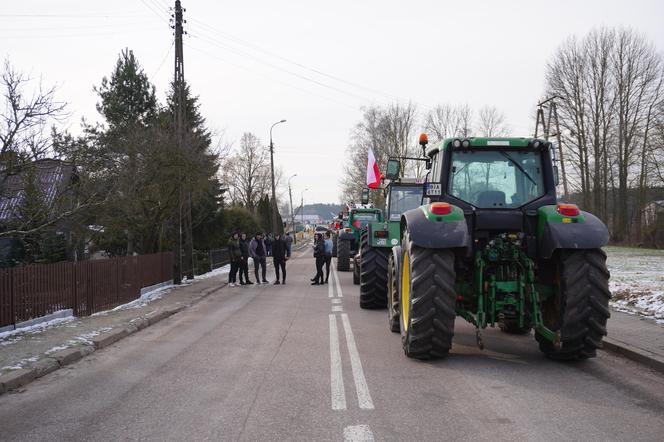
x,y
433,189
381,242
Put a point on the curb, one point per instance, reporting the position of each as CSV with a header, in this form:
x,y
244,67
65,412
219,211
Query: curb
x,y
18,378
636,354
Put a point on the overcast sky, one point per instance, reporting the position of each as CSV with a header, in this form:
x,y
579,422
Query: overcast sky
x,y
313,63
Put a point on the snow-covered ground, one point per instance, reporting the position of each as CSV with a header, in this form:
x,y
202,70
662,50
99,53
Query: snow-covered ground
x,y
637,280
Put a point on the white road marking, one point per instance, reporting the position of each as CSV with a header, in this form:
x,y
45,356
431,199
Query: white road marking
x,y
330,289
337,308
336,377
336,301
340,294
358,433
363,396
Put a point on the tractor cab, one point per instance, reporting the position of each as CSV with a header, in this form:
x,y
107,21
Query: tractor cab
x,y
498,184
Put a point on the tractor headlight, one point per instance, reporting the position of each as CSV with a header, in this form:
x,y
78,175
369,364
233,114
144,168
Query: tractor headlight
x,y
465,144
456,143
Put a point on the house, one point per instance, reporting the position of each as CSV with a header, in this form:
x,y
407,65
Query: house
x,y
52,179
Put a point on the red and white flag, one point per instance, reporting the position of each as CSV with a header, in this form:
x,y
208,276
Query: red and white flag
x,y
373,174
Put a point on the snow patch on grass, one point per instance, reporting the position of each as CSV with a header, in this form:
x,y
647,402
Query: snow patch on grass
x,y
33,329
637,281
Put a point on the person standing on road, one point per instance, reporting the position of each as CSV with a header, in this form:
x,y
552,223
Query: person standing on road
x,y
289,244
234,255
319,254
244,259
328,255
258,252
280,256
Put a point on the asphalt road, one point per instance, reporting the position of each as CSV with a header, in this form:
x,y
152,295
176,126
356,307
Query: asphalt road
x,y
297,362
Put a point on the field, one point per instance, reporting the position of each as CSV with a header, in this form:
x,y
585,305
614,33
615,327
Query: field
x,y
637,280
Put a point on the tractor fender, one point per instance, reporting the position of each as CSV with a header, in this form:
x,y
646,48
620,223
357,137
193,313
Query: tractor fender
x,y
434,234
590,234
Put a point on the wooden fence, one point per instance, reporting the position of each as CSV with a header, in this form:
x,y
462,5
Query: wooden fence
x,y
86,287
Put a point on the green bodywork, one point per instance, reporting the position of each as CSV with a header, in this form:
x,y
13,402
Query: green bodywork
x,y
504,281
491,142
356,225
549,214
387,234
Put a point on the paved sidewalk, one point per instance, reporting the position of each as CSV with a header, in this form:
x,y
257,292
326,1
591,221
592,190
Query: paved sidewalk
x,y
637,338
24,349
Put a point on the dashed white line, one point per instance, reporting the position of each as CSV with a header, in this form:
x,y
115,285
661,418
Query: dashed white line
x,y
363,396
336,377
336,301
337,308
358,433
330,288
340,294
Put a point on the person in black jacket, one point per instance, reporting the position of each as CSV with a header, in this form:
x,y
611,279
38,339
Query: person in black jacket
x,y
279,255
234,254
244,259
319,254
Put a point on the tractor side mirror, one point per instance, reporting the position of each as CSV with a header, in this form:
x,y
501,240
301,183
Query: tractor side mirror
x,y
393,169
556,179
427,164
365,196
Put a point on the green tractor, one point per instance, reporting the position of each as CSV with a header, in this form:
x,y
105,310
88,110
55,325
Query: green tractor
x,y
378,238
495,246
348,239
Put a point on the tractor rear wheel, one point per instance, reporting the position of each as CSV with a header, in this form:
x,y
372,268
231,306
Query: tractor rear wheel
x,y
343,255
581,309
373,275
428,300
393,294
335,240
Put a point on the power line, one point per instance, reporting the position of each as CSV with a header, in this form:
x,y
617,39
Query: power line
x,y
155,11
254,72
163,61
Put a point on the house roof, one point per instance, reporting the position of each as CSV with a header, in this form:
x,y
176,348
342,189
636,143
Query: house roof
x,y
51,176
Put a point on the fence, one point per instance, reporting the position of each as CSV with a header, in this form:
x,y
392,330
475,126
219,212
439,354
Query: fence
x,y
219,258
86,287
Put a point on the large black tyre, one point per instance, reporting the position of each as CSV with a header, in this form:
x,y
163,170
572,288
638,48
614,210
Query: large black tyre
x,y
428,300
343,255
581,310
335,240
393,294
373,275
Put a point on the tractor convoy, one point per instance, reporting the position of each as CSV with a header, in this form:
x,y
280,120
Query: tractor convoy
x,y
483,237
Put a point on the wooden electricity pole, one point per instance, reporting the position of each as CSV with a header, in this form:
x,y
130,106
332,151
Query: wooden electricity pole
x,y
184,256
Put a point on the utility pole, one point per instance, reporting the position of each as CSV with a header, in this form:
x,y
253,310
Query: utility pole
x,y
546,129
184,229
290,196
275,228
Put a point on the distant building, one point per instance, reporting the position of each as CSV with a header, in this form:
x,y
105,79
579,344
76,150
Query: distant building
x,y
313,218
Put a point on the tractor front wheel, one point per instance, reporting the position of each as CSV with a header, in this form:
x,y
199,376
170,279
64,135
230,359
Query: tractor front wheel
x,y
580,309
343,255
427,300
373,275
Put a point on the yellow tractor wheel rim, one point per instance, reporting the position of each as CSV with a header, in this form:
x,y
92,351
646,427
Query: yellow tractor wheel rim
x,y
405,290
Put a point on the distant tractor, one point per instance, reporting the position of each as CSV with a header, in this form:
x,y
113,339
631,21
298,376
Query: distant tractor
x,y
495,246
349,237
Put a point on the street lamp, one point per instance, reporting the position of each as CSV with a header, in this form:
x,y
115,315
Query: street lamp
x,y
302,205
290,196
274,197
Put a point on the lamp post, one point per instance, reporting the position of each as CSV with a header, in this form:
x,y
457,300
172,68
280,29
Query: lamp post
x,y
274,197
302,212
290,196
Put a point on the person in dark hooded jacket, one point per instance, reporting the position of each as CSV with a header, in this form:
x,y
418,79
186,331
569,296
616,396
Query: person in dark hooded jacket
x,y
244,260
319,254
279,255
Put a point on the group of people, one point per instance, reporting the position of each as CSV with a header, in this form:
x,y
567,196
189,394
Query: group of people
x,y
241,249
323,253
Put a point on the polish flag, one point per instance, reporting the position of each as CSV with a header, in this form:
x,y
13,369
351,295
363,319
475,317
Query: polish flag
x,y
373,174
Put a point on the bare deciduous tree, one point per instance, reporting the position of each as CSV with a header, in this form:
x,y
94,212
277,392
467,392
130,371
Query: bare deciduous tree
x,y
491,122
247,172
